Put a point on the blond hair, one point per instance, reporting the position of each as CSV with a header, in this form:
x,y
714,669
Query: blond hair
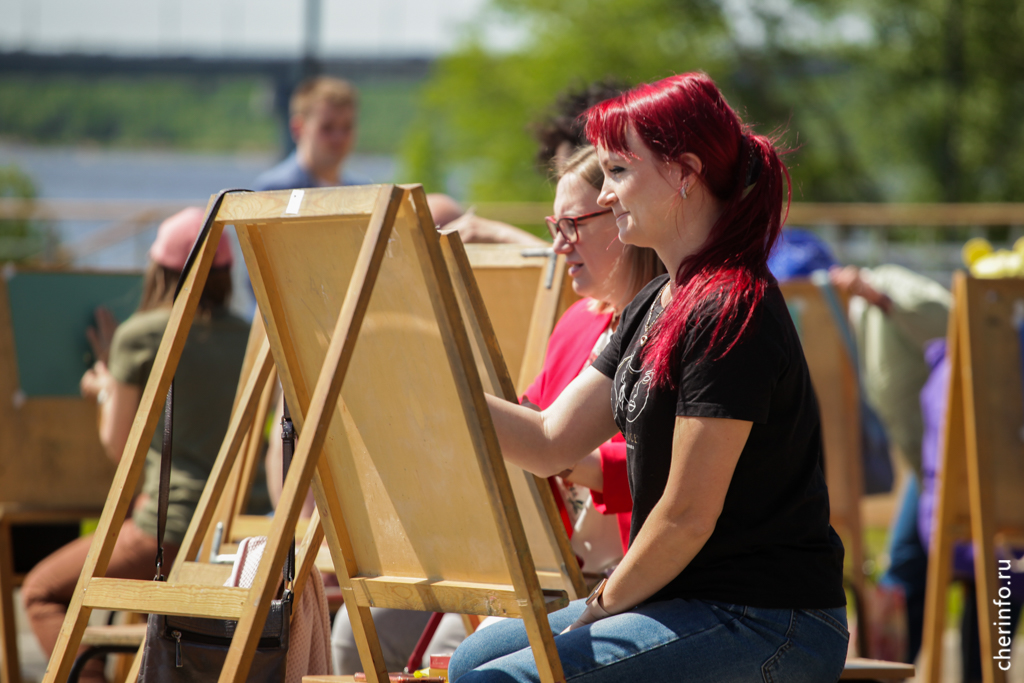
x,y
643,262
317,89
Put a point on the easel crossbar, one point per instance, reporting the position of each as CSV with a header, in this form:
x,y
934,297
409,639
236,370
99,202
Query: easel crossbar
x,y
158,597
461,597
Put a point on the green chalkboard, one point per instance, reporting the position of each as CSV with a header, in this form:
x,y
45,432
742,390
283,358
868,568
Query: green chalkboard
x,y
50,312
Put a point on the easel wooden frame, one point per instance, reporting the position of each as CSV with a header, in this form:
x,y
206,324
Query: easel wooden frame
x,y
523,317
505,268
982,474
835,382
312,411
33,494
193,588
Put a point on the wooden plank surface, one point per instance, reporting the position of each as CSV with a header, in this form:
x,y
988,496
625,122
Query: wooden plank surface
x,y
549,544
859,668
835,384
161,597
457,597
342,330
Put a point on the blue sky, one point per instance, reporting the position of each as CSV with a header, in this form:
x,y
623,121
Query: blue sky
x,y
229,27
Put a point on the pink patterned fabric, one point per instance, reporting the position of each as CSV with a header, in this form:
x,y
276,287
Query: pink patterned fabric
x,y
309,641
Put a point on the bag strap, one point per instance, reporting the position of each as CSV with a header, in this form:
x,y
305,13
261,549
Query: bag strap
x,y
165,452
287,451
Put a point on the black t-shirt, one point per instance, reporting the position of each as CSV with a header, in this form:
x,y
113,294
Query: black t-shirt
x,y
772,545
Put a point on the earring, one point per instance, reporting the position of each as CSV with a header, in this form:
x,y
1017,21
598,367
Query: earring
x,y
682,191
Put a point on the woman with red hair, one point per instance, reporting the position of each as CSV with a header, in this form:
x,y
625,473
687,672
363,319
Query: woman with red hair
x,y
733,572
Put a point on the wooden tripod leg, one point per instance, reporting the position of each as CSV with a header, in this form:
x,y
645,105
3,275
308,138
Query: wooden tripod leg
x,y
951,509
136,668
133,459
364,632
10,667
980,475
514,543
317,419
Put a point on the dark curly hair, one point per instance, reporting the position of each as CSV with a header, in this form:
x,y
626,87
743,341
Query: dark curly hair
x,y
563,123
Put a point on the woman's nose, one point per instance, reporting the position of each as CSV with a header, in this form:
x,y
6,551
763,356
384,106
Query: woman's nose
x,y
560,245
606,197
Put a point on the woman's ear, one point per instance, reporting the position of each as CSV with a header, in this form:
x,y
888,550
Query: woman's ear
x,y
690,163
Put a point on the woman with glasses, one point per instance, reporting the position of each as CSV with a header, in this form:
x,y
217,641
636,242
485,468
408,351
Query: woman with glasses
x,y
733,572
608,274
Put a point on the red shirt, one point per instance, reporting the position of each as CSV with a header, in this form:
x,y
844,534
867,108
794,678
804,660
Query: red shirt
x,y
568,353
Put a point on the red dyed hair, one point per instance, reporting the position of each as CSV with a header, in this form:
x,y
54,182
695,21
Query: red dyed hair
x,y
721,284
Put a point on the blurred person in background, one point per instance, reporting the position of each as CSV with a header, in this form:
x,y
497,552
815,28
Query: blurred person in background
x,y
559,134
323,115
205,383
894,314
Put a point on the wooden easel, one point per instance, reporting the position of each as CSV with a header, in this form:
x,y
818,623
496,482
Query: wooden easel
x,y
410,463
981,484
52,465
193,588
835,384
522,296
525,292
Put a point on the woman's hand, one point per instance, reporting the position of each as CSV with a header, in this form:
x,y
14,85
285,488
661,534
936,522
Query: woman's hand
x,y
849,280
594,611
95,382
587,472
102,334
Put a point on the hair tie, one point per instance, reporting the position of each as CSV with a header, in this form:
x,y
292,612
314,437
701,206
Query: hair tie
x,y
753,167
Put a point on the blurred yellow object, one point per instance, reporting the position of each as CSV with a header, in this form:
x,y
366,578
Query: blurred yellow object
x,y
999,264
975,249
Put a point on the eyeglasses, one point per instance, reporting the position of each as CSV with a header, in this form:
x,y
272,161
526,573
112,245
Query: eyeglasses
x,y
568,226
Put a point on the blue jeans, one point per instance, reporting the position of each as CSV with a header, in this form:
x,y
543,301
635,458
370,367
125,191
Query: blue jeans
x,y
670,640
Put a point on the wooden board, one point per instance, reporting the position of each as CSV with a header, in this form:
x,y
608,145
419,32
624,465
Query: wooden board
x,y
525,295
981,482
552,552
50,452
835,384
860,669
374,355
50,310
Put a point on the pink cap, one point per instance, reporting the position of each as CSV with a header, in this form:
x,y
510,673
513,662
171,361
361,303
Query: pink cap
x,y
175,236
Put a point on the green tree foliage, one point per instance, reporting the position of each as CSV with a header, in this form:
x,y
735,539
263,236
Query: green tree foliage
x,y
880,100
214,114
21,239
211,114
